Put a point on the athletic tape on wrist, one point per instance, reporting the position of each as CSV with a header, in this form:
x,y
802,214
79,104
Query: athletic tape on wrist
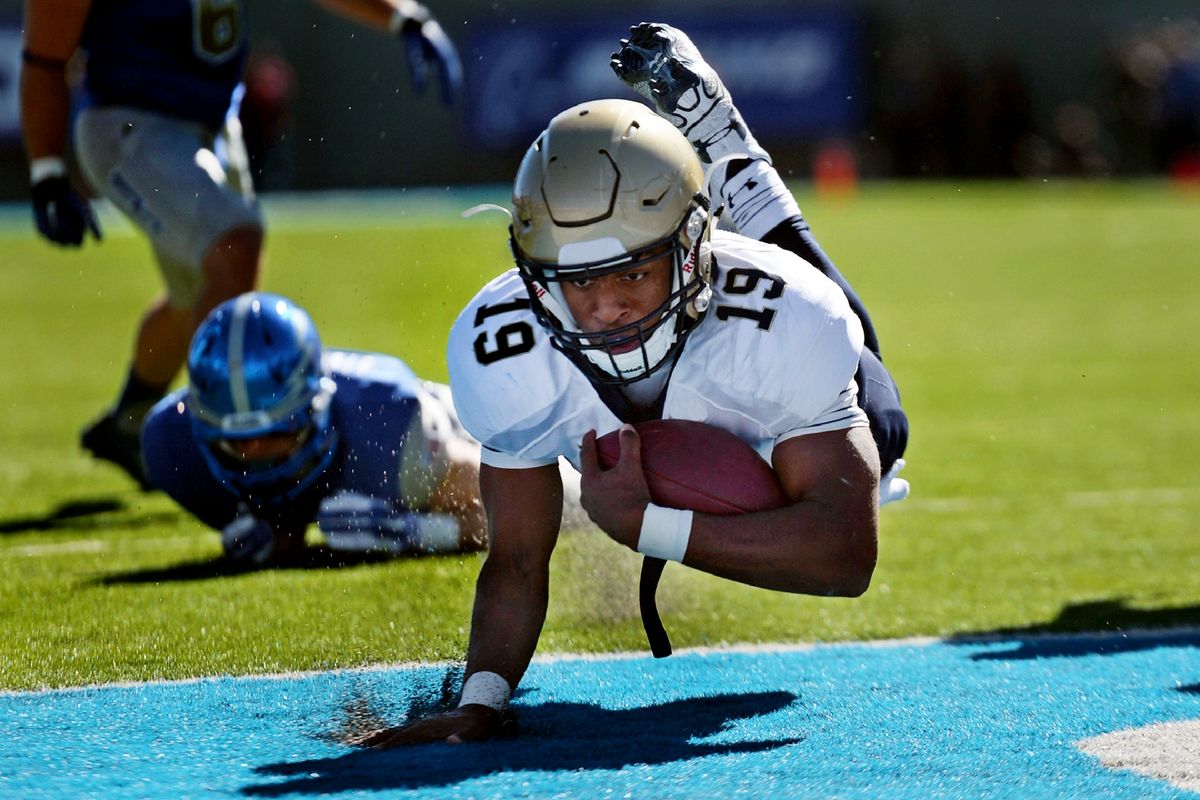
x,y
406,11
665,532
46,167
485,689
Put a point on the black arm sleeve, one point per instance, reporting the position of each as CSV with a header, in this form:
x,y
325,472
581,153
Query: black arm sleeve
x,y
794,235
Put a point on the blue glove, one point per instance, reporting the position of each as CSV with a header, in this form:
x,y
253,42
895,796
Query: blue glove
x,y
428,47
61,215
248,539
360,522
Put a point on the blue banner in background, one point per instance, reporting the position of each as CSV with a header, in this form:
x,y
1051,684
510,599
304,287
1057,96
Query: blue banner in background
x,y
791,73
10,71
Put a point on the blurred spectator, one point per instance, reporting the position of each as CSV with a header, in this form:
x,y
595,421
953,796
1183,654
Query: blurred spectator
x,y
1156,110
266,116
1001,114
921,94
1078,147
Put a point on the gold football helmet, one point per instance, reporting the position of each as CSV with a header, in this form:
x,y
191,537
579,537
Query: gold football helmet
x,y
610,185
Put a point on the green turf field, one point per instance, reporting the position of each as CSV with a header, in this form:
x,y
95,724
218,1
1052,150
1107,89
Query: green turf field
x,y
1046,338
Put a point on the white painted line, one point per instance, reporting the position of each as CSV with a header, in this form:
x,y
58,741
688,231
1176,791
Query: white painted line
x,y
1182,633
1167,751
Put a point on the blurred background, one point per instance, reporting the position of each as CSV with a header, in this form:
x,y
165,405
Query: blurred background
x,y
837,91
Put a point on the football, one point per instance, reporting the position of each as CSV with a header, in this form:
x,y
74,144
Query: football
x,y
697,466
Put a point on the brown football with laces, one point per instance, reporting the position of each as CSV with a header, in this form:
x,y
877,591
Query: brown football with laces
x,y
697,466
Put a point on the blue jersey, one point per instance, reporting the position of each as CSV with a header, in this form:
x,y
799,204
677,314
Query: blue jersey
x,y
177,57
376,415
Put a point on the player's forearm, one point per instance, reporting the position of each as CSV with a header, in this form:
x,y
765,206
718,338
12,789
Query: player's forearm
x,y
375,13
53,29
809,548
510,608
45,107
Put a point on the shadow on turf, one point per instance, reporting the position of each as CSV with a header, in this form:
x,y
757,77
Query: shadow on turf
x,y
77,515
562,737
309,558
1102,627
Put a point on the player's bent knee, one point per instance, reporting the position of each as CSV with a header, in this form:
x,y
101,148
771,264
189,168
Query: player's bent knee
x,y
233,261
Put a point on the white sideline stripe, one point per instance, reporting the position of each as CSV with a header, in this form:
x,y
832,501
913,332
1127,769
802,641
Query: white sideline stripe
x,y
1180,632
89,546
333,211
1095,499
1166,751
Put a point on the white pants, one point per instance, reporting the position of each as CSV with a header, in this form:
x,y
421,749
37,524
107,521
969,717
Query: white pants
x,y
164,174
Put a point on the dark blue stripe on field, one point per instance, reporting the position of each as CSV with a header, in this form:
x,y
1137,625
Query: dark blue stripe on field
x,y
994,719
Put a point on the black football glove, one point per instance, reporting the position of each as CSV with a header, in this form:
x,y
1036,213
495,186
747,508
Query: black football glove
x,y
61,215
428,48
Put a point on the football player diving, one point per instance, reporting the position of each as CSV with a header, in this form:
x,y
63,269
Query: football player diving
x,y
626,304
274,432
157,132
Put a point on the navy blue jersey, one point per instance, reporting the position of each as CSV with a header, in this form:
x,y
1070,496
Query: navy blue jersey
x,y
177,57
375,414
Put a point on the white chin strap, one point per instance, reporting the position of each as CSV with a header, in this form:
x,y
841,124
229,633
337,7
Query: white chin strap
x,y
632,365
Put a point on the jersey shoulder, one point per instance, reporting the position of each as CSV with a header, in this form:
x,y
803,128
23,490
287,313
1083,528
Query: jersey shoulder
x,y
166,430
364,368
779,339
175,464
513,391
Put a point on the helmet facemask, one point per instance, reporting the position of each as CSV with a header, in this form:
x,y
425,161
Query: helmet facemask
x,y
639,348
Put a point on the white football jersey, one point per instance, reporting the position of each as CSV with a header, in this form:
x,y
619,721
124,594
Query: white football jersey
x,y
773,358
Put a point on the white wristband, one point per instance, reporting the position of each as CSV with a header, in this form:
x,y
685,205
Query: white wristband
x,y
46,167
485,689
665,532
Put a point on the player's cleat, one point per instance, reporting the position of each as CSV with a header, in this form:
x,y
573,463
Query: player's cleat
x,y
105,439
661,64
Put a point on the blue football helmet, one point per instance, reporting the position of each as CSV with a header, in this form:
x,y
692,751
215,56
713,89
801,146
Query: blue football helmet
x,y
254,370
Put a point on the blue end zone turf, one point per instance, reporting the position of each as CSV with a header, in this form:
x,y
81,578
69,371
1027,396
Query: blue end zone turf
x,y
908,720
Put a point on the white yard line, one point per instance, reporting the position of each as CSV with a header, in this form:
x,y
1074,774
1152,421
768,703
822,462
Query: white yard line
x,y
75,546
1097,499
1182,632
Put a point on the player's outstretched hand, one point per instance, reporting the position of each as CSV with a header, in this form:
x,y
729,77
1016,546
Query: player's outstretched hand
x,y
61,215
615,499
248,540
428,48
469,723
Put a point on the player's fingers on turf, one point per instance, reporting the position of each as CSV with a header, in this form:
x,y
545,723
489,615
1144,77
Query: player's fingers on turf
x,y
418,733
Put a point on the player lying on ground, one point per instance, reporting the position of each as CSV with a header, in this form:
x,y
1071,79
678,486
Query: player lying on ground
x,y
158,134
626,306
273,433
